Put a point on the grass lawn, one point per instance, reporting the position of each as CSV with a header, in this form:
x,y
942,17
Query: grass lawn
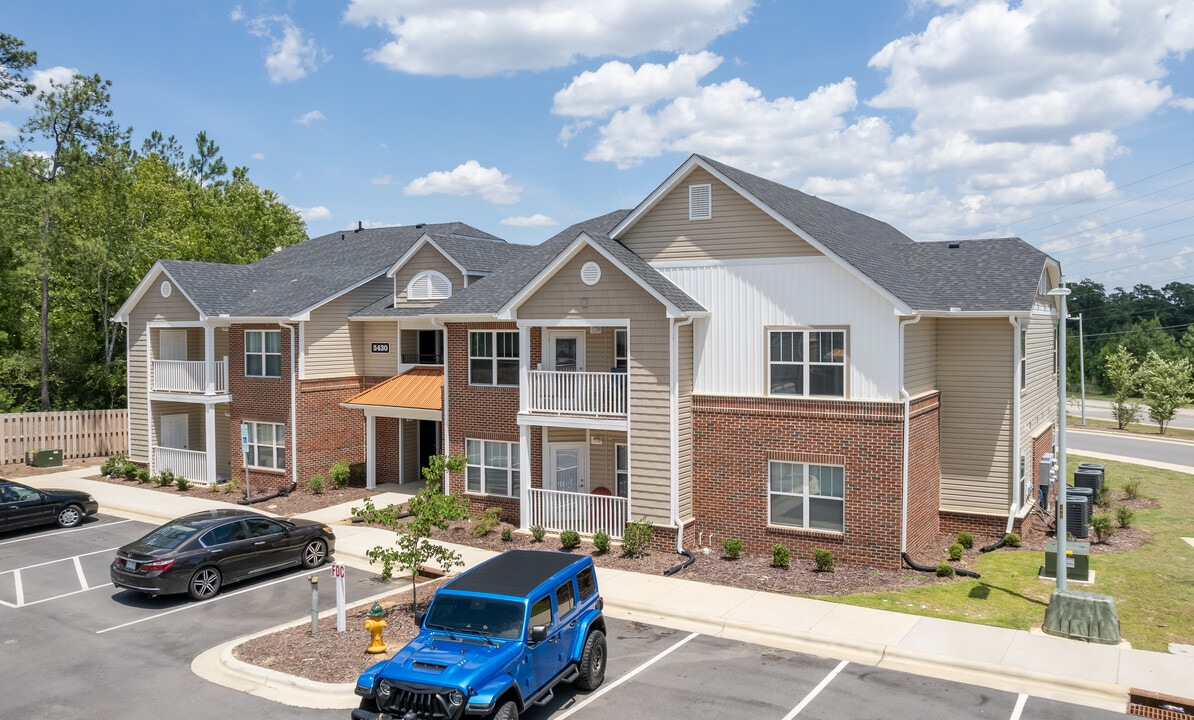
x,y
1153,586
1151,429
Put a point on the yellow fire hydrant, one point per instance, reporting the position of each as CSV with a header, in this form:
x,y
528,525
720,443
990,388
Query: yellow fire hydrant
x,y
374,623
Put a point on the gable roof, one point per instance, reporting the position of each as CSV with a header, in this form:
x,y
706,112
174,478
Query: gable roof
x,y
976,275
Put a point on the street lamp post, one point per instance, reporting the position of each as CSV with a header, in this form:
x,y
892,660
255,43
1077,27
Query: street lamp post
x,y
1082,366
1060,293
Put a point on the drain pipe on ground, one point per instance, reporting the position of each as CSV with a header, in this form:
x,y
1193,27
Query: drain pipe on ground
x,y
674,432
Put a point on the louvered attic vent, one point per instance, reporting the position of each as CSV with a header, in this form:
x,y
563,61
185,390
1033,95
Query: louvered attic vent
x,y
700,202
429,285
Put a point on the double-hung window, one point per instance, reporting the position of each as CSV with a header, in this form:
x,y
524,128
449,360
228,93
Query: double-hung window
x,y
493,358
263,353
807,496
622,470
621,350
493,467
266,447
807,362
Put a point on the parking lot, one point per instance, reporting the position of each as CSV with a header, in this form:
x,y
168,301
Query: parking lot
x,y
74,646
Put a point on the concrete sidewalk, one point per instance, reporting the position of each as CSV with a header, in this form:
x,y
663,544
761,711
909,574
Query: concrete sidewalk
x,y
1011,660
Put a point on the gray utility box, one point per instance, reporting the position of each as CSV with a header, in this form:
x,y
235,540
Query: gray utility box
x,y
1077,560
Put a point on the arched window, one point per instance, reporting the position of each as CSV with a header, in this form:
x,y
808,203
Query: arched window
x,y
429,285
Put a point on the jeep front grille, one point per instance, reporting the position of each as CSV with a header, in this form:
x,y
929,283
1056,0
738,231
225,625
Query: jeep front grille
x,y
424,704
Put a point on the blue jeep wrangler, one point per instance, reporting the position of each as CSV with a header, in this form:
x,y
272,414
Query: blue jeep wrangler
x,y
494,641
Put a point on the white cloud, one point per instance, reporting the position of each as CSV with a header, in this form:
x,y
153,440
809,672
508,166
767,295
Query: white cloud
x,y
536,220
474,38
237,14
310,117
615,85
7,129
44,80
289,57
318,212
1185,103
467,179
257,156
383,180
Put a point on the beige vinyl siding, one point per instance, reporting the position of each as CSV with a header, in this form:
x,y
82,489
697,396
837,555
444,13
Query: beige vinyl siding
x,y
976,374
565,435
616,296
426,258
1038,401
685,420
738,228
379,364
920,356
332,344
195,422
221,347
151,308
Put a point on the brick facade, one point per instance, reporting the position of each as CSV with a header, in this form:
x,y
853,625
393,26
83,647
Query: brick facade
x,y
924,469
258,399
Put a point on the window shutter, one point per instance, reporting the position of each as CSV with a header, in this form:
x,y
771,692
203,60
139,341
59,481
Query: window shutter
x,y
700,202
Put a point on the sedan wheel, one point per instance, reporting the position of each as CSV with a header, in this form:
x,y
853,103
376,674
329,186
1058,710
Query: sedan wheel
x,y
205,583
70,516
315,553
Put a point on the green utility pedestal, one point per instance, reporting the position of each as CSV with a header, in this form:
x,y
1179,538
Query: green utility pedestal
x,y
1077,561
1082,616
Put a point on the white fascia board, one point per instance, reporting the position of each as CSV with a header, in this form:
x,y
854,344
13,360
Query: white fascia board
x,y
463,317
305,314
583,240
424,240
974,313
387,411
575,322
577,422
122,315
653,199
190,399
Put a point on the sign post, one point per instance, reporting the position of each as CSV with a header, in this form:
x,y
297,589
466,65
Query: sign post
x,y
338,573
244,446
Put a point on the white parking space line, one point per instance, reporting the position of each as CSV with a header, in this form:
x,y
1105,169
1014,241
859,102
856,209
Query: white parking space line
x,y
205,603
16,579
39,536
73,592
1019,707
610,686
817,690
51,562
79,572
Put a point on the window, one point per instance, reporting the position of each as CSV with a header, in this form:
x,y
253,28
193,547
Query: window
x,y
584,579
807,496
493,358
1024,357
264,527
267,446
565,599
807,362
493,467
230,532
622,470
541,612
263,353
621,350
429,285
700,202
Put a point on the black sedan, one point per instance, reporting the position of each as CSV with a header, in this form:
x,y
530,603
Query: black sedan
x,y
199,553
22,506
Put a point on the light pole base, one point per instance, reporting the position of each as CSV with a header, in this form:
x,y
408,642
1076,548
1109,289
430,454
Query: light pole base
x,y
1082,616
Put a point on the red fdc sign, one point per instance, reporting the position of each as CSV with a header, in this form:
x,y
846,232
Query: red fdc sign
x,y
338,570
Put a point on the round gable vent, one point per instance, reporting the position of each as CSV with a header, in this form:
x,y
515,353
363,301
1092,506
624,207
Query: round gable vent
x,y
166,288
590,273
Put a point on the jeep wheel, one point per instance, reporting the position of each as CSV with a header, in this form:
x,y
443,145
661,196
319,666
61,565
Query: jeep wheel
x,y
506,711
592,662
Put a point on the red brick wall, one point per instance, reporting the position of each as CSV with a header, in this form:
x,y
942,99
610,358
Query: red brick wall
x,y
328,432
256,399
734,438
924,469
385,439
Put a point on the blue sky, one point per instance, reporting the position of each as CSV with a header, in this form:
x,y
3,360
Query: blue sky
x,y
1067,122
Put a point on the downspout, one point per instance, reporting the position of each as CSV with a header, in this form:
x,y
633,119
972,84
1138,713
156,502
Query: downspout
x,y
674,429
293,408
1016,380
443,423
907,420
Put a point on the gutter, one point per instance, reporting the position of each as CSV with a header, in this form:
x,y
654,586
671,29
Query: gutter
x,y
907,420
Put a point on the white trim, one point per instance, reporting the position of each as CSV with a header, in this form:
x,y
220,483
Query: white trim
x,y
305,314
195,399
547,349
579,422
401,413
582,464
662,265
423,240
575,323
147,282
432,292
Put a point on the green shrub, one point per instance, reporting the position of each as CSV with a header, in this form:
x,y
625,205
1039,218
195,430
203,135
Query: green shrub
x,y
824,560
601,541
140,474
128,470
955,552
781,557
966,540
944,569
1102,525
1124,516
637,537
1012,539
164,479
182,483
1132,488
1102,497
569,540
733,547
339,474
488,520
231,486
316,484
507,534
538,532
115,464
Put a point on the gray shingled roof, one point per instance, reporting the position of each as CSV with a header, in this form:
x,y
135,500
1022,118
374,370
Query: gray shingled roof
x,y
489,294
304,274
985,275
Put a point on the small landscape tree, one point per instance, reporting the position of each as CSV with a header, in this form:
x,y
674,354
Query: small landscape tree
x,y
1166,385
1120,371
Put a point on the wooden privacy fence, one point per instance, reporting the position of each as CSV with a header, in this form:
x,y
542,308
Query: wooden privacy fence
x,y
78,433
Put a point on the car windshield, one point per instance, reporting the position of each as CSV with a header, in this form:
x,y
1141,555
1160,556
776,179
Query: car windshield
x,y
482,616
170,535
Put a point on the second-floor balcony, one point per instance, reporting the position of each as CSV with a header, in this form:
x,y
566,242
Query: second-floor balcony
x,y
189,376
577,393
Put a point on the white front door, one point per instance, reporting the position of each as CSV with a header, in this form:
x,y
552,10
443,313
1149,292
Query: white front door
x,y
175,432
569,467
174,345
566,350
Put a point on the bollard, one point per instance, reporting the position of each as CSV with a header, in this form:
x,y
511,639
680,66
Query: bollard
x,y
314,603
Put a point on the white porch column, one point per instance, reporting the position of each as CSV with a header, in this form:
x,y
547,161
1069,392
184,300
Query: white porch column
x,y
524,476
524,367
209,360
209,436
370,452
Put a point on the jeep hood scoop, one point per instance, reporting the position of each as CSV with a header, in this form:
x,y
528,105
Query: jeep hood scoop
x,y
450,662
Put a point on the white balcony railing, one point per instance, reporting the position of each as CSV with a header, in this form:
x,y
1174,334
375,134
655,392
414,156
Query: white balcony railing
x,y
557,510
577,393
188,376
190,464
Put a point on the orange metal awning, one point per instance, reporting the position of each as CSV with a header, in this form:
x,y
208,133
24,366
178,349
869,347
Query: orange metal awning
x,y
419,388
